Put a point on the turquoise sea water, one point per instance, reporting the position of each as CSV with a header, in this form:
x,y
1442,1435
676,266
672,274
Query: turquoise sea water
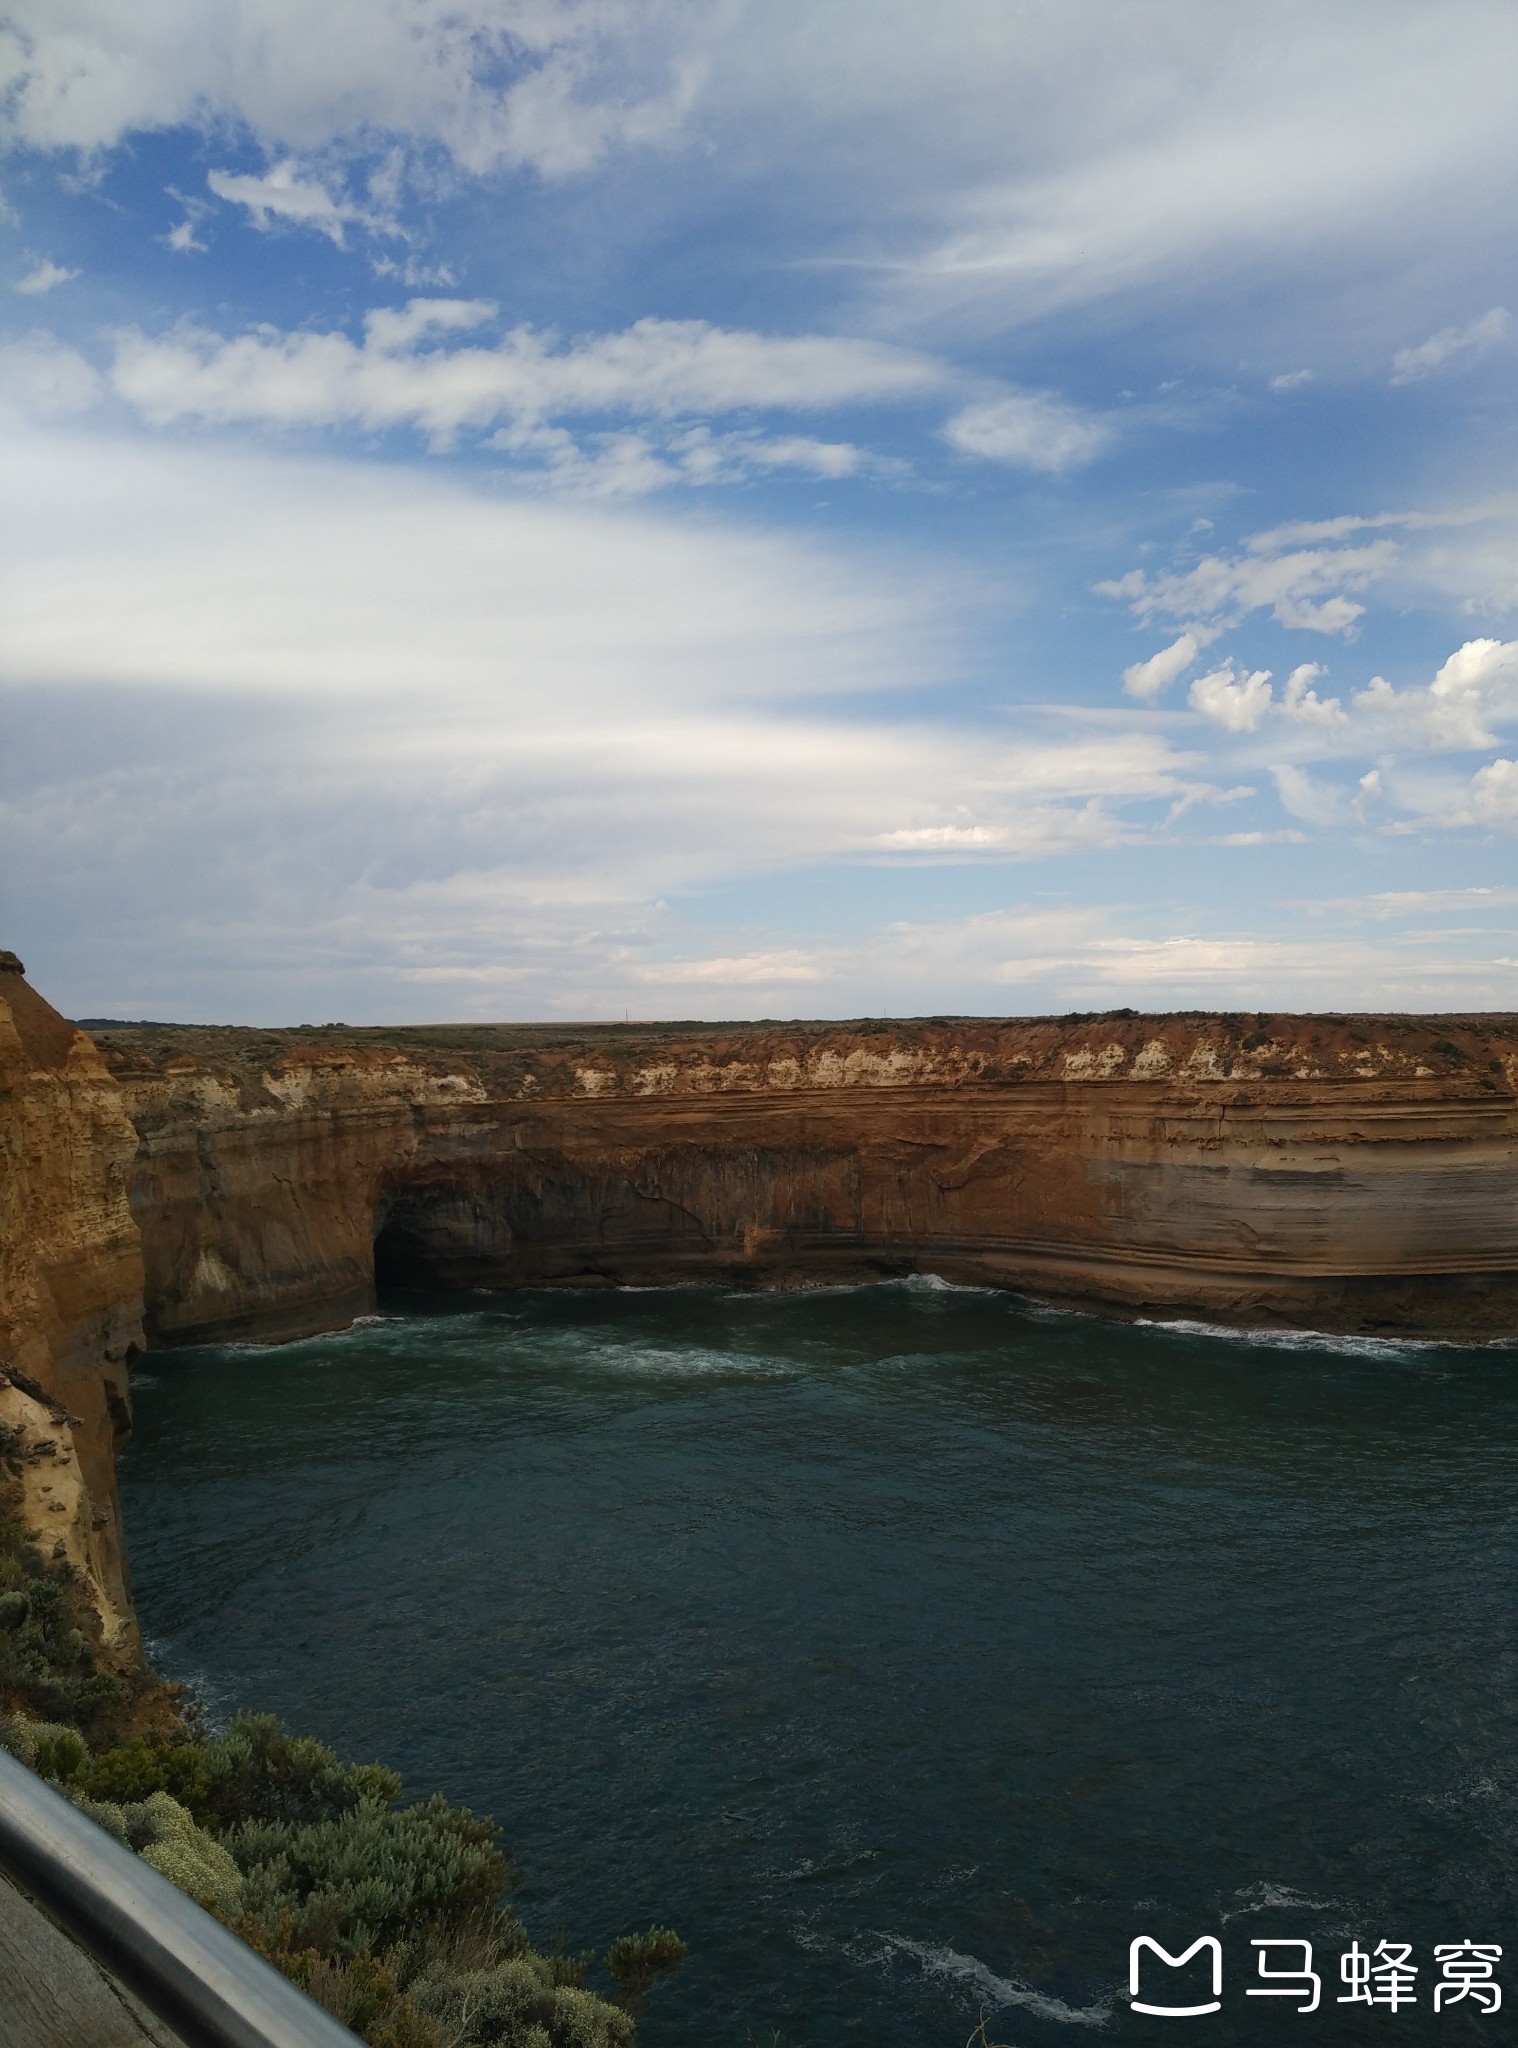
x,y
910,1649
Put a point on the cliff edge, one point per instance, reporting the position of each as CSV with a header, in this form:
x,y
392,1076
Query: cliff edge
x,y
1348,1172
71,1298
172,1184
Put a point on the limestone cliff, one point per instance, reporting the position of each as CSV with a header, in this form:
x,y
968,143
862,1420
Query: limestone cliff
x,y
1350,1172
70,1295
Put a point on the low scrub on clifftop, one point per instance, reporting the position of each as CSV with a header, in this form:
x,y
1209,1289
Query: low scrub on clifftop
x,y
393,1917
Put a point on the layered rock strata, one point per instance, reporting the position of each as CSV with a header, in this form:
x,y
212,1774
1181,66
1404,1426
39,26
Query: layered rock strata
x,y
1344,1172
71,1282
171,1185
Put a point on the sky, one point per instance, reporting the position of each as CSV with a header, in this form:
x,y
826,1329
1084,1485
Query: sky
x,y
735,508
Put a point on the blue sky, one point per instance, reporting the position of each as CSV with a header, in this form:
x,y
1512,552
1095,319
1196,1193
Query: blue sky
x,y
566,508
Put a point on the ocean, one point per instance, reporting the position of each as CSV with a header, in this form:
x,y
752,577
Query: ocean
x,y
912,1650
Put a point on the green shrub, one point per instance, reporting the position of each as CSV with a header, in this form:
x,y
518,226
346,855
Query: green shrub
x,y
163,1833
635,1962
256,1772
518,2005
50,1748
368,1878
58,1752
134,1771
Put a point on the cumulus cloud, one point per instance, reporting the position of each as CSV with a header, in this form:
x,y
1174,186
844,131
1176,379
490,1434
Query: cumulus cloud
x,y
401,374
284,194
42,278
1301,703
1476,687
1494,794
1303,588
1411,364
1147,679
1029,430
1291,380
1369,790
1234,702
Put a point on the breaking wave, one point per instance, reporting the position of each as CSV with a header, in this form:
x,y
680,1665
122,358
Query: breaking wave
x,y
1000,1992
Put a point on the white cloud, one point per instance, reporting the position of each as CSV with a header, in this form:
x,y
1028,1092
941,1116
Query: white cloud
x,y
1494,794
1147,679
182,239
396,377
1411,364
41,374
199,569
1475,687
966,171
494,83
1301,702
1029,430
1291,380
418,724
1308,530
42,278
1234,702
1292,586
1313,802
284,194
750,970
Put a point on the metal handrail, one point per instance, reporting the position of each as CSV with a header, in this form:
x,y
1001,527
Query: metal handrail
x,y
211,1988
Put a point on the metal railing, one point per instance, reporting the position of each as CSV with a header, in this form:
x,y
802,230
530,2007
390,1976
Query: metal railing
x,y
190,1970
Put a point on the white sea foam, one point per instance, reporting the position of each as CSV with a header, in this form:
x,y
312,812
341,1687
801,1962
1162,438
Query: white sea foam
x,y
935,1283
1259,1898
217,1701
1000,1991
695,1361
1305,1340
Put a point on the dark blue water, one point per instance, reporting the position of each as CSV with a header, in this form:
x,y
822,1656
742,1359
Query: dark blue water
x,y
911,1650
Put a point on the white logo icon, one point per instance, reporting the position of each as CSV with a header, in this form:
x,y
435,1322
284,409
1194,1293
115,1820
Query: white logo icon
x,y
1176,2012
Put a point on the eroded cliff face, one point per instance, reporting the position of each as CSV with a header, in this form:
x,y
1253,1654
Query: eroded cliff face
x,y
1358,1173
71,1284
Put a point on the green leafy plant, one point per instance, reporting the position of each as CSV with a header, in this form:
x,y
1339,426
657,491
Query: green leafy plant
x,y
635,1962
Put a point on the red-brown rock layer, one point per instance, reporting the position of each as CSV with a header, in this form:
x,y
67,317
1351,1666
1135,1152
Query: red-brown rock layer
x,y
70,1295
1341,1172
1346,1172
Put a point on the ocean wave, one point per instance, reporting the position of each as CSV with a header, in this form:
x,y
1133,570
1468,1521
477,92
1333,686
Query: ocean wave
x,y
216,1700
1344,1344
695,1361
935,1283
1000,1992
1259,1898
